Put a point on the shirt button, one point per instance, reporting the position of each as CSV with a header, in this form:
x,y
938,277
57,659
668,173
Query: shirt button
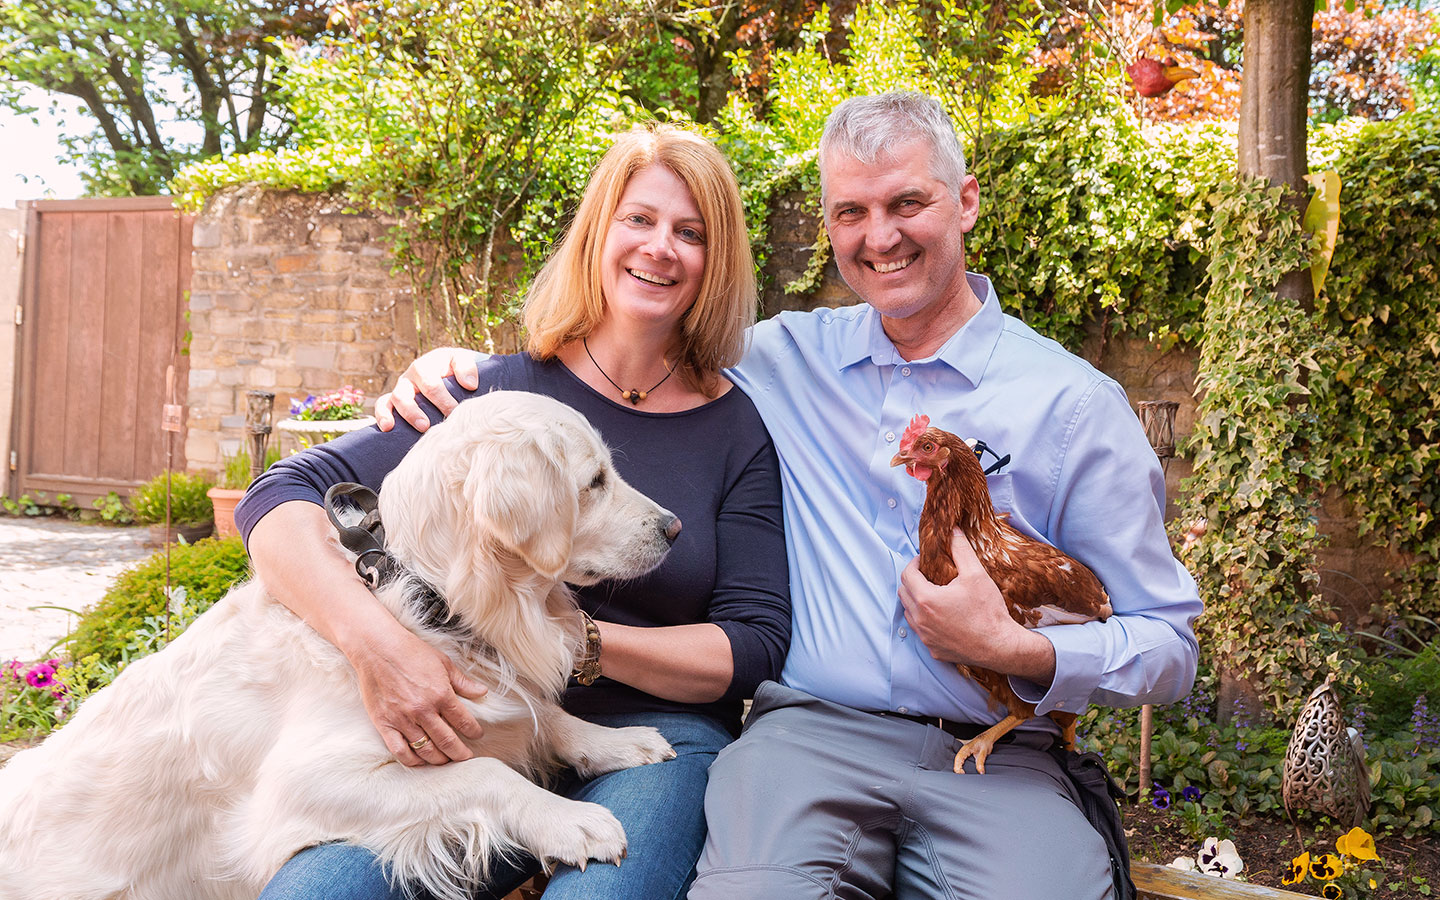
x,y
903,632
905,371
891,502
1060,705
902,710
890,437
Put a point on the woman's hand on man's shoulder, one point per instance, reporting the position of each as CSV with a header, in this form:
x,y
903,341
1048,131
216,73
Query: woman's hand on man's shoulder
x,y
426,376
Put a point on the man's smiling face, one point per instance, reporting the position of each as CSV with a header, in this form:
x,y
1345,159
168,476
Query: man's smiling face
x,y
898,231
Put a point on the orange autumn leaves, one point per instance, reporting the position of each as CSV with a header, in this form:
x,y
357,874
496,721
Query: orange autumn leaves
x,y
1359,57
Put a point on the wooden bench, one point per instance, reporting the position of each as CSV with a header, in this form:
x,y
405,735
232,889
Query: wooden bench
x,y
1154,882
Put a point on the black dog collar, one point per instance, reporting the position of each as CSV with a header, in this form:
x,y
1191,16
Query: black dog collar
x,y
354,511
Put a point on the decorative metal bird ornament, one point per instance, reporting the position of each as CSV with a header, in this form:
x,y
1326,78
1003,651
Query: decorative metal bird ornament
x,y
1325,764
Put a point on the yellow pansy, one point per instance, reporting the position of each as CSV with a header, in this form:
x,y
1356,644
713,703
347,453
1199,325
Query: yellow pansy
x,y
1298,867
1357,844
1325,867
1332,891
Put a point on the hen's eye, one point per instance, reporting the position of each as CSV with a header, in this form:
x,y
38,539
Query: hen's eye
x,y
928,447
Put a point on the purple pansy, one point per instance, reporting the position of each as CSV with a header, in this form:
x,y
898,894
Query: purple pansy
x,y
1191,794
1159,797
41,675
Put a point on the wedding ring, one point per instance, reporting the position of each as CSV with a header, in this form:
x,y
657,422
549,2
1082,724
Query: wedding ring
x,y
420,744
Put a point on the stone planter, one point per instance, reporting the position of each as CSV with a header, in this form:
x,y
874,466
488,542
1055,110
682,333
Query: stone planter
x,y
311,432
190,531
224,500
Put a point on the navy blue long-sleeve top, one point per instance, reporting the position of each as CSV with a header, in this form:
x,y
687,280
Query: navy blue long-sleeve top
x,y
713,466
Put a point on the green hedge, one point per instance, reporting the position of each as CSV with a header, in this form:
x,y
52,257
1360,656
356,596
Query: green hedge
x,y
206,569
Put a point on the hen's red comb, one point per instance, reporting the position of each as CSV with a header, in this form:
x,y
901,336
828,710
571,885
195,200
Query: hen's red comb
x,y
918,424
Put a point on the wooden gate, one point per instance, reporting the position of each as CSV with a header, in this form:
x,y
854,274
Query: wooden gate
x,y
103,294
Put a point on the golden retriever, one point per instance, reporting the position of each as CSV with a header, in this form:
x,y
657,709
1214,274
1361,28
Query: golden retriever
x,y
204,767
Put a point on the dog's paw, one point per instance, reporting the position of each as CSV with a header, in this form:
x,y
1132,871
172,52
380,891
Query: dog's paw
x,y
573,833
623,748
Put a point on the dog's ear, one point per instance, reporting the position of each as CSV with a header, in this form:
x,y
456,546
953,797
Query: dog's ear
x,y
523,497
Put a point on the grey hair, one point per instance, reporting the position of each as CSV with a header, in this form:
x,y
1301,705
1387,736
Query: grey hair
x,y
869,129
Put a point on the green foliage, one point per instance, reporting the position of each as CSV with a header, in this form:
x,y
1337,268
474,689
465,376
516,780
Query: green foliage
x,y
1087,216
206,569
38,504
1238,769
113,509
188,503
1392,685
137,68
1382,305
236,475
1256,446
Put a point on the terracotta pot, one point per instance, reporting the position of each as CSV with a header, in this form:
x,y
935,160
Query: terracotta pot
x,y
224,500
190,531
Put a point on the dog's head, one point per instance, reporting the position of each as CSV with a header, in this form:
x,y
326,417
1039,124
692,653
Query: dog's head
x,y
522,480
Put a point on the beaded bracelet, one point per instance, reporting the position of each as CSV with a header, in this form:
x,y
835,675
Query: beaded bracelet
x,y
588,668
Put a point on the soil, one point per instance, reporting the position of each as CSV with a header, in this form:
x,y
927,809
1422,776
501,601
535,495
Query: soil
x,y
1267,845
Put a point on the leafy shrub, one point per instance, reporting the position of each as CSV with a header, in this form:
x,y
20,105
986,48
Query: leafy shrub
x,y
40,504
1238,769
1394,685
206,569
188,502
237,468
113,509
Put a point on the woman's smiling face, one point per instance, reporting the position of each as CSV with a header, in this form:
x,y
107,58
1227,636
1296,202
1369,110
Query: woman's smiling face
x,y
653,258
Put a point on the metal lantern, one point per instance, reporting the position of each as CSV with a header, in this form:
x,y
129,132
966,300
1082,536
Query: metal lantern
x,y
1325,763
259,409
1157,417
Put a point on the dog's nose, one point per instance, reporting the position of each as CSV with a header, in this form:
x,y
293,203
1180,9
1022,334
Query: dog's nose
x,y
672,529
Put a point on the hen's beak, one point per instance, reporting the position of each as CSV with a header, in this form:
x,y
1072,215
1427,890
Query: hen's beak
x,y
899,459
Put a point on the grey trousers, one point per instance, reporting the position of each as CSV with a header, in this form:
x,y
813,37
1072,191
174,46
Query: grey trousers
x,y
817,800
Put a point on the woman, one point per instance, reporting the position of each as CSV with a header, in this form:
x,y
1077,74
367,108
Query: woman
x,y
630,323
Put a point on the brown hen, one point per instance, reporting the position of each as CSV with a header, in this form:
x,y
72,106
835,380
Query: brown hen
x,y
1040,584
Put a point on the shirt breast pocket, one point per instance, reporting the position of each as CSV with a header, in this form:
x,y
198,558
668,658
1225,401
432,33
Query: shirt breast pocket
x,y
1002,496
1002,492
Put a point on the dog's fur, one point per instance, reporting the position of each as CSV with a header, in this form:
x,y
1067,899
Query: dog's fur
x,y
206,766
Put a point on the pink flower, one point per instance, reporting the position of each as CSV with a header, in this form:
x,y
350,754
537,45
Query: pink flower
x,y
13,667
42,675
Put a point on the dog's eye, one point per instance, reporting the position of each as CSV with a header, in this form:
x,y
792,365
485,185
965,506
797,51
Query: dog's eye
x,y
598,482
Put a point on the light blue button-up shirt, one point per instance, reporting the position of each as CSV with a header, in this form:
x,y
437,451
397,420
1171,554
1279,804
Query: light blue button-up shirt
x,y
836,396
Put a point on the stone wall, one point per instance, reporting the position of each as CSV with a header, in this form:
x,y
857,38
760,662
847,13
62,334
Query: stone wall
x,y
291,294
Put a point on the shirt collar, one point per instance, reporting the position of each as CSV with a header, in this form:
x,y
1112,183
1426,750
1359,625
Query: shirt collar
x,y
968,350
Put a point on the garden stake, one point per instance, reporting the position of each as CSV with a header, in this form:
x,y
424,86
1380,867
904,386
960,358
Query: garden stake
x,y
1157,417
171,417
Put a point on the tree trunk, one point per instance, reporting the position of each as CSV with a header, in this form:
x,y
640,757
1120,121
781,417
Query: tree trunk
x,y
1274,111
1275,106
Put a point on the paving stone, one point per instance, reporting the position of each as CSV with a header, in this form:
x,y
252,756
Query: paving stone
x,y
54,562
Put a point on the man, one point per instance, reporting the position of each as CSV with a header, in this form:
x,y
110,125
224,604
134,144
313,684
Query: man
x,y
841,785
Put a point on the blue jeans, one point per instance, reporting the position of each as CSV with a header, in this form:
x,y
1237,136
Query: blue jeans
x,y
661,807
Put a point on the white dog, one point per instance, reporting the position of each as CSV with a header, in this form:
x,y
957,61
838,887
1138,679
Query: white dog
x,y
204,767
